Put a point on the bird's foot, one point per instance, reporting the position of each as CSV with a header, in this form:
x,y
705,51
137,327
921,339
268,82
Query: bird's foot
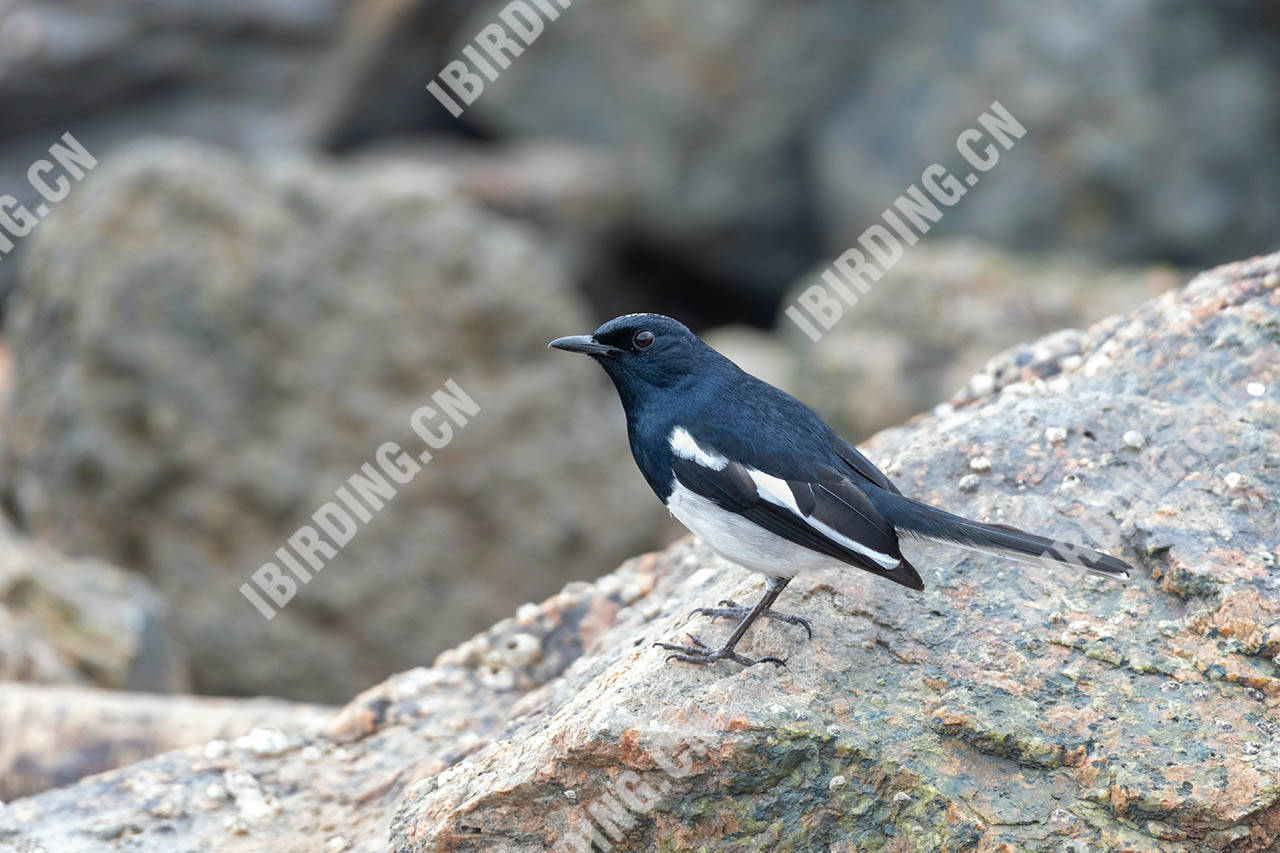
x,y
699,653
733,610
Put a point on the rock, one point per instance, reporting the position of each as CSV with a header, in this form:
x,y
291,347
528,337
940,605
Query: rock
x,y
930,325
1131,177
56,735
1006,707
709,131
232,341
756,162
343,782
65,621
251,76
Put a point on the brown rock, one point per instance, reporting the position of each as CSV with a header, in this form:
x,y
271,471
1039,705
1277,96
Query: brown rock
x,y
1006,707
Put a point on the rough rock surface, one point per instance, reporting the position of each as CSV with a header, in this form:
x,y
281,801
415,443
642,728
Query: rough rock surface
x,y
65,621
931,324
1005,708
337,789
56,735
188,315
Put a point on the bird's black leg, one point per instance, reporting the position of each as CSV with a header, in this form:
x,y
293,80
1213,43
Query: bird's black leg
x,y
732,610
699,653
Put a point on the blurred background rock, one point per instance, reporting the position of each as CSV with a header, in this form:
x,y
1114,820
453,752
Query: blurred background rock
x,y
214,330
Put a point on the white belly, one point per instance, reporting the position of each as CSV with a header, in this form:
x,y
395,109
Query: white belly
x,y
739,541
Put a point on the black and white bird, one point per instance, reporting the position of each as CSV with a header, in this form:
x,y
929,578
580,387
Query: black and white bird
x,y
765,483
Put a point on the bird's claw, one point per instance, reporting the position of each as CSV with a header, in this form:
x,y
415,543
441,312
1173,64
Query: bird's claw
x,y
732,610
700,654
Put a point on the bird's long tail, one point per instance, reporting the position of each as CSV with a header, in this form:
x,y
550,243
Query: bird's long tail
x,y
913,518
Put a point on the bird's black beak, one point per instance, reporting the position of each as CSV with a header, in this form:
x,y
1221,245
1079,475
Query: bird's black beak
x,y
583,344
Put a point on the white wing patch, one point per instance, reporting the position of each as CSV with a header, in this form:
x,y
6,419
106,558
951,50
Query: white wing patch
x,y
776,491
684,446
770,488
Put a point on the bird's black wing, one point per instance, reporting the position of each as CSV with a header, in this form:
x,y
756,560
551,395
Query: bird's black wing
x,y
861,464
828,514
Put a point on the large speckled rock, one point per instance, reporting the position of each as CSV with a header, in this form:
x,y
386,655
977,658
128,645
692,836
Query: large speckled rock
x,y
65,621
206,349
1006,707
931,324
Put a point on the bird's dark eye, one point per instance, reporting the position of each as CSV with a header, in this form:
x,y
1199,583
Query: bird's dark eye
x,y
642,339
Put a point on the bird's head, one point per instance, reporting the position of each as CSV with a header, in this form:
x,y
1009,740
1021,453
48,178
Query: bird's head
x,y
641,352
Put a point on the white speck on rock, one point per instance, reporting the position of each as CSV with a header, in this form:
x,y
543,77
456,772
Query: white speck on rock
x,y
982,384
1055,435
609,585
980,464
901,797
1134,440
215,749
338,844
255,805
526,614
1235,480
571,794
496,677
969,483
517,650
701,577
1255,389
837,782
263,741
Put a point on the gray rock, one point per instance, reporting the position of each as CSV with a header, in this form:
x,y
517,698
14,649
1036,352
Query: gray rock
x,y
208,349
767,134
57,735
924,332
251,76
1165,160
65,621
1006,707
710,130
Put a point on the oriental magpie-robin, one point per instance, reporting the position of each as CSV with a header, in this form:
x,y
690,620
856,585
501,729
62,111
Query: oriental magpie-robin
x,y
759,477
